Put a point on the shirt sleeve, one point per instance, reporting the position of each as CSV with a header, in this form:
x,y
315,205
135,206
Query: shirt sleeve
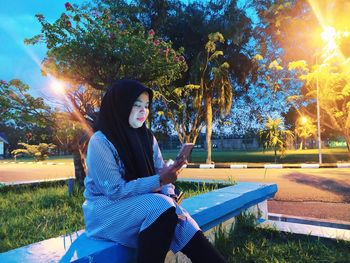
x,y
168,189
105,172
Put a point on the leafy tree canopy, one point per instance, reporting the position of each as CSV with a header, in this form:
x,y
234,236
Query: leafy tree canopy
x,y
88,45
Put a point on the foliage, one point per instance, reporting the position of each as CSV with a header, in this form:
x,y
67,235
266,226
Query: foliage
x,y
330,77
23,117
40,152
66,132
305,128
215,85
276,84
89,46
18,106
183,104
179,106
274,136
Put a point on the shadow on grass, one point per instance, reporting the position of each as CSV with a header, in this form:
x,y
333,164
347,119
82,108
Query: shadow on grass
x,y
326,184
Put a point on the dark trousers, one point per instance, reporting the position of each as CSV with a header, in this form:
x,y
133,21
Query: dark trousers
x,y
200,250
154,242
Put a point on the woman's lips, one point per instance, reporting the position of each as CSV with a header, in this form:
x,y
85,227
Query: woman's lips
x,y
141,119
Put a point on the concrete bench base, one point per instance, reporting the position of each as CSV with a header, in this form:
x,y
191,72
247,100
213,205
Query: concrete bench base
x,y
209,210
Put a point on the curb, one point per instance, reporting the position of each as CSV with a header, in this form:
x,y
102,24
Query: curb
x,y
231,165
40,163
267,166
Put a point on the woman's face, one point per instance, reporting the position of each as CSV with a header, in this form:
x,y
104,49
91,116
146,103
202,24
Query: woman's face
x,y
139,111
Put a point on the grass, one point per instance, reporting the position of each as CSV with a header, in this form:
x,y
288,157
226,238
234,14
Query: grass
x,y
29,214
245,242
329,155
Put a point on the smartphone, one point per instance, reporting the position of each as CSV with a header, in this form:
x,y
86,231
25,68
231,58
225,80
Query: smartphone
x,y
185,151
179,196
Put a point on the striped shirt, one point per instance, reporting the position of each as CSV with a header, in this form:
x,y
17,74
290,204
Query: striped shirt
x,y
117,210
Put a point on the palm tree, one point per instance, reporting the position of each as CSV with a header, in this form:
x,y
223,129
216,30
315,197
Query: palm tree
x,y
215,85
274,136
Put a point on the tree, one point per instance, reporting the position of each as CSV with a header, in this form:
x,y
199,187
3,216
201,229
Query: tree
x,y
330,77
18,106
89,48
215,85
305,128
40,152
66,131
274,136
23,117
182,106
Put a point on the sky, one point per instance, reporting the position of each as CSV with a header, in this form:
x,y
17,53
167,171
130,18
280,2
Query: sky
x,y
20,61
17,22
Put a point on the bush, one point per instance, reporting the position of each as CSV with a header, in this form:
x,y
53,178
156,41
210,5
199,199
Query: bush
x,y
40,152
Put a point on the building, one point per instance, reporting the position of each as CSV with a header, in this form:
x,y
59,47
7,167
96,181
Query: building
x,y
3,142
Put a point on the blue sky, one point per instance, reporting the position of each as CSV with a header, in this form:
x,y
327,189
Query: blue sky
x,y
17,22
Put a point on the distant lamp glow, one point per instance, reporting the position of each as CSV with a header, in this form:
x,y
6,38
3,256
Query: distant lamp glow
x,y
329,35
58,86
303,120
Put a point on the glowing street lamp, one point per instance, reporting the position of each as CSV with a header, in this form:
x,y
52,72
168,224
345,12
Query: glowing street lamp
x,y
329,35
318,124
303,120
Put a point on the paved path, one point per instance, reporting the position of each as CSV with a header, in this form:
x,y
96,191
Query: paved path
x,y
321,193
29,172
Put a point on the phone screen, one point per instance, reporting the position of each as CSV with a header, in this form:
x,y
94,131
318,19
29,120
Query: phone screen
x,y
186,150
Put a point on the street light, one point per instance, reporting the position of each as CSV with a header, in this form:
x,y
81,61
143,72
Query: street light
x,y
318,121
303,120
329,35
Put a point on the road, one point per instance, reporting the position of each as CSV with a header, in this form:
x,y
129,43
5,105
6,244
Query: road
x,y
320,193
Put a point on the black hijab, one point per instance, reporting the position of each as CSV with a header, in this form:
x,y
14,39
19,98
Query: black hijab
x,y
135,146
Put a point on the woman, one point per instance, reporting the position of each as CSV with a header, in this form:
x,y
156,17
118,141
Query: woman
x,y
128,189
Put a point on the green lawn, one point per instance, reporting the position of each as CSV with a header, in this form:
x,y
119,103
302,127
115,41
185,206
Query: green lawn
x,y
293,156
331,155
29,214
247,243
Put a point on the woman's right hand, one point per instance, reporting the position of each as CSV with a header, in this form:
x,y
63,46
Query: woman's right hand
x,y
168,174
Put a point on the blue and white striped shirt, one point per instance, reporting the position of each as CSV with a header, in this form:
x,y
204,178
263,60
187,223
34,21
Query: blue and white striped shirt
x,y
117,210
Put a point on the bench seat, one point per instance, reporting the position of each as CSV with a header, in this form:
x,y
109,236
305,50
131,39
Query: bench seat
x,y
208,209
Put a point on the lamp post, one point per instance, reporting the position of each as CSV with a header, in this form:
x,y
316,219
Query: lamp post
x,y
328,35
318,121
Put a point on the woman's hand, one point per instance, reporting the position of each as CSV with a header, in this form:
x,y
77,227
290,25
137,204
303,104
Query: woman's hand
x,y
168,174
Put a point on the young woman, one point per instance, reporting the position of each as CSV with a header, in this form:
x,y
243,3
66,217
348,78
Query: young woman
x,y
128,188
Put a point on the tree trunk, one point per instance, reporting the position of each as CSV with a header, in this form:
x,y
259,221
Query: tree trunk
x,y
275,155
347,139
301,145
209,124
79,168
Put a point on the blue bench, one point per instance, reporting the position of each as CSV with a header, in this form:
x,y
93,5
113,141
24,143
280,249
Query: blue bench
x,y
209,210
